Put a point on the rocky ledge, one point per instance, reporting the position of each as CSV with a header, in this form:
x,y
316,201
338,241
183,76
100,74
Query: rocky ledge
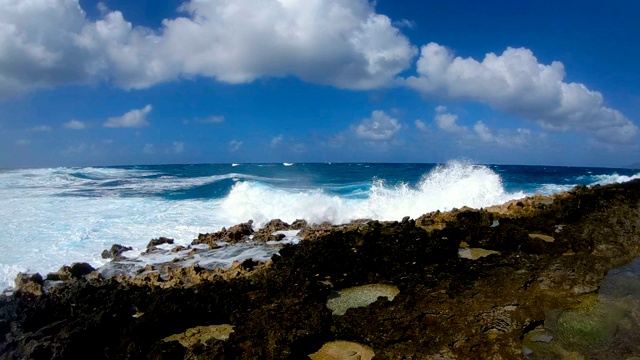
x,y
515,281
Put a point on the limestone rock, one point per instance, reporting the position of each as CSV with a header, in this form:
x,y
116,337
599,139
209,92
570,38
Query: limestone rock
x,y
29,284
343,350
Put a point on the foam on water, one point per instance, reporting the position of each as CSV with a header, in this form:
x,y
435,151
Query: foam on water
x,y
42,234
52,217
453,185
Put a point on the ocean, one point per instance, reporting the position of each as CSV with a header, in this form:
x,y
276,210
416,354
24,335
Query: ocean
x,y
56,216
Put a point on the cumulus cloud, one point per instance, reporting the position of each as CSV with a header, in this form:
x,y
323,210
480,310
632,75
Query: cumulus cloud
x,y
211,119
135,118
149,149
75,124
175,148
379,127
480,132
336,42
39,128
405,23
447,121
420,125
277,140
74,150
514,82
235,145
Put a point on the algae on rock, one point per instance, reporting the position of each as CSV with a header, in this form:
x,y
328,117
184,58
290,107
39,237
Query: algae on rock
x,y
359,296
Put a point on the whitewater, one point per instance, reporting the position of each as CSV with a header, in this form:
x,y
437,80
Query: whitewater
x,y
51,217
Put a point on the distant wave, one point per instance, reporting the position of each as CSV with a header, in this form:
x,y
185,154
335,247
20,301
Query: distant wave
x,y
590,180
287,164
99,182
613,178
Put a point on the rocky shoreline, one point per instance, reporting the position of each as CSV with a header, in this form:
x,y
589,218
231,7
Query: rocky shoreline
x,y
514,281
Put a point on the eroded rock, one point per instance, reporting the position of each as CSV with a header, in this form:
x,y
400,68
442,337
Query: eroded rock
x,y
343,350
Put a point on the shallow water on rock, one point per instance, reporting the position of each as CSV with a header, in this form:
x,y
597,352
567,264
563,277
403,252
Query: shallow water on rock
x,y
605,326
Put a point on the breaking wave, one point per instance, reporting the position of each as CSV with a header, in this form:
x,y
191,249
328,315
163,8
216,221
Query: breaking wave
x,y
455,184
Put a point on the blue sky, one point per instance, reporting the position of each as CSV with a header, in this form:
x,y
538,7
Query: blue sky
x,y
205,81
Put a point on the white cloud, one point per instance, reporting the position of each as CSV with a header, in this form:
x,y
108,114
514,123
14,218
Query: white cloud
x,y
39,128
75,124
135,118
420,125
277,140
235,145
480,132
211,119
38,45
505,138
405,23
336,42
149,149
379,127
298,148
175,148
447,121
23,142
516,83
483,132
74,150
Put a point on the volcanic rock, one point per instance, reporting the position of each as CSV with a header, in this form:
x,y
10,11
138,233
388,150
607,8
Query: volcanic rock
x,y
234,234
266,233
115,252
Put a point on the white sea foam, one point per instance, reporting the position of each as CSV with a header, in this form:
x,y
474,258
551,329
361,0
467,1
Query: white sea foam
x,y
613,178
548,189
41,234
456,184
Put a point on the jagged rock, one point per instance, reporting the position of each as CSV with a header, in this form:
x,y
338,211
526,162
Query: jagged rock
x,y
29,284
75,271
234,234
115,252
266,233
299,224
154,243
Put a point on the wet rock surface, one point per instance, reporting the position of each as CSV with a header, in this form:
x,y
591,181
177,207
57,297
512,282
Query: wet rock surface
x,y
523,300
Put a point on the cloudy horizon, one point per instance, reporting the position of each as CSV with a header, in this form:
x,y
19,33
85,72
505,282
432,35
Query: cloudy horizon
x,y
116,83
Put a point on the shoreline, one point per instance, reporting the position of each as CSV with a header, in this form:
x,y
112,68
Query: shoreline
x,y
546,254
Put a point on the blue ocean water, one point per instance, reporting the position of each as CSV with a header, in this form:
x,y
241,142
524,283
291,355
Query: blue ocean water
x,y
56,216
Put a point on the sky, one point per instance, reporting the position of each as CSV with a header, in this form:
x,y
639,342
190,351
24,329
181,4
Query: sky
x,y
120,82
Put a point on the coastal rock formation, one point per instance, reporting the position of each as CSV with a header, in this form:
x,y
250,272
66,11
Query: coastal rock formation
x,y
234,234
115,252
545,260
